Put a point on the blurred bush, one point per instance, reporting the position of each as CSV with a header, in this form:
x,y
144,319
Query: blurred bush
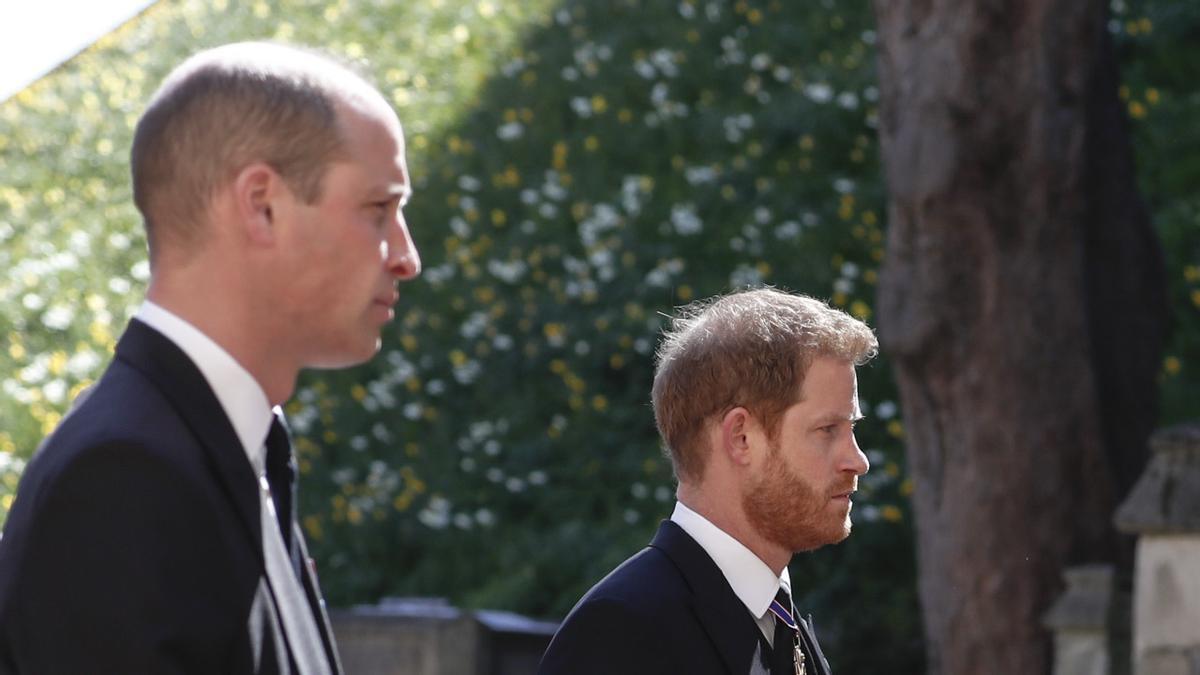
x,y
581,168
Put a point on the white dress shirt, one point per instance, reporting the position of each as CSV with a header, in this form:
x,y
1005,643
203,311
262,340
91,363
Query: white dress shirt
x,y
751,579
242,399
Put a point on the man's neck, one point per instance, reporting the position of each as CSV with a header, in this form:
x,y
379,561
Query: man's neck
x,y
232,329
725,512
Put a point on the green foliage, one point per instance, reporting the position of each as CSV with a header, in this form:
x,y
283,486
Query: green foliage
x,y
581,167
1157,45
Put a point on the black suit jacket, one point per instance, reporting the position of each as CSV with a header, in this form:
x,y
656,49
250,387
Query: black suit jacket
x,y
134,543
668,609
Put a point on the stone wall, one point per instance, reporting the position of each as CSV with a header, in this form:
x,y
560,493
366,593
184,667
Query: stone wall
x,y
419,636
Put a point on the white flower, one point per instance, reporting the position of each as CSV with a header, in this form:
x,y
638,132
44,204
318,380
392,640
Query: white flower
x,y
684,219
55,391
485,517
819,92
58,317
787,230
119,285
886,410
510,131
582,106
33,302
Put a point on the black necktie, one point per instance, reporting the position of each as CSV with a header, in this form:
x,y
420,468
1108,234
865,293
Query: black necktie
x,y
786,639
281,476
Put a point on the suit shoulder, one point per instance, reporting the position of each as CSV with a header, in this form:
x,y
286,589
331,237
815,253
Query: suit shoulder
x,y
647,587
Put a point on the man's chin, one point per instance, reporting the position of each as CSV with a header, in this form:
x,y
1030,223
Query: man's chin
x,y
349,357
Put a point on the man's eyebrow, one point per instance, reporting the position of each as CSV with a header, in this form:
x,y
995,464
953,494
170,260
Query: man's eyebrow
x,y
834,418
400,191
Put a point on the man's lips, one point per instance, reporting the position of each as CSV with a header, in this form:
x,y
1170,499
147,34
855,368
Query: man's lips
x,y
388,299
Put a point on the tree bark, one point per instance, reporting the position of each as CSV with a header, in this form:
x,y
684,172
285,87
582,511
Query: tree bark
x,y
1023,303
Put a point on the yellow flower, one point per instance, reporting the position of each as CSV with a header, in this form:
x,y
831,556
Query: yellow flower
x,y
358,392
860,310
1152,96
896,428
599,105
1172,365
312,525
1136,110
891,513
599,403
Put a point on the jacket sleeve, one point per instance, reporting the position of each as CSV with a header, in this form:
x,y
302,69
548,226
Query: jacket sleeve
x,y
602,636
123,570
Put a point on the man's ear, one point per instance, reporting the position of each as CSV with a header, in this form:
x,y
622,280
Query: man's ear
x,y
737,425
256,189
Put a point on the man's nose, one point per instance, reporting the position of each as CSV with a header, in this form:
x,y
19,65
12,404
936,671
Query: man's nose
x,y
403,259
856,461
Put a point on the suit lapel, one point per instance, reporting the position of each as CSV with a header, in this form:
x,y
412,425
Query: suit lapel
x,y
808,636
165,364
723,616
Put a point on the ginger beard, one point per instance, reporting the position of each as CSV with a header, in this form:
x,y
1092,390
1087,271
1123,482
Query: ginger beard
x,y
785,509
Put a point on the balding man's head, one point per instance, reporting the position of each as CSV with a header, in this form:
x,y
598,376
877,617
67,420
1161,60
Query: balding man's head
x,y
226,108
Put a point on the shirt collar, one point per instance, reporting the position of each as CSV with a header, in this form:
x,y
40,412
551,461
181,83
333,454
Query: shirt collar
x,y
243,400
751,579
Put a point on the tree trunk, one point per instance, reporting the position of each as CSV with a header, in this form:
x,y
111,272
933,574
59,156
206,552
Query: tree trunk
x,y
1023,303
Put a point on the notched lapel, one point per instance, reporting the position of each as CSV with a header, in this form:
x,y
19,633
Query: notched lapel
x,y
809,635
181,382
724,617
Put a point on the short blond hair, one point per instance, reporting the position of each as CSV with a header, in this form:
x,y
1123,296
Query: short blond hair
x,y
750,348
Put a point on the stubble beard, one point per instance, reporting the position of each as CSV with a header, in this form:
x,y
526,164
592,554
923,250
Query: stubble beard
x,y
787,510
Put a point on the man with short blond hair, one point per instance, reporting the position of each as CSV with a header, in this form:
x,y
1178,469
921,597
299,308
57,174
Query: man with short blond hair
x,y
155,530
755,396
